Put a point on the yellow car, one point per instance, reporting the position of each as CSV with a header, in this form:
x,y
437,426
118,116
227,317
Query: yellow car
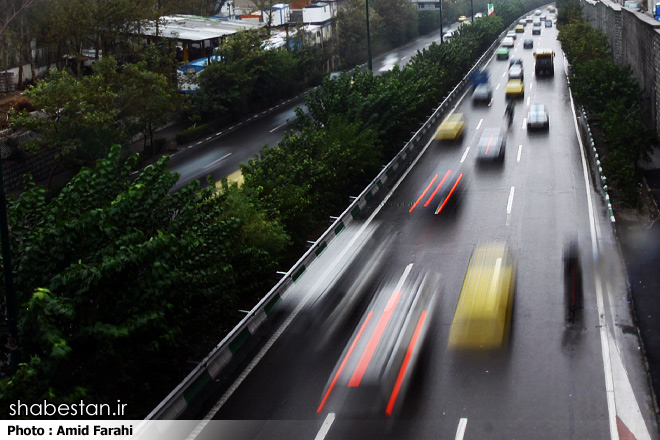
x,y
451,128
462,18
483,315
514,89
520,28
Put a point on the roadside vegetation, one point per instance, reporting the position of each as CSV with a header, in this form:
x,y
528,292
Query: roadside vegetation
x,y
122,285
613,100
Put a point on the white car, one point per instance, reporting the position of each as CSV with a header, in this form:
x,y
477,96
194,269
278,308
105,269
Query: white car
x,y
516,72
507,42
537,117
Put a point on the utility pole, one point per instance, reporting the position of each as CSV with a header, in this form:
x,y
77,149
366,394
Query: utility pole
x,y
472,9
442,39
369,63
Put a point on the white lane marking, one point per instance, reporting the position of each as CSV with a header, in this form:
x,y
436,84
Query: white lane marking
x,y
465,154
327,423
232,389
531,86
209,138
479,124
460,431
498,87
519,152
216,161
529,98
524,124
279,126
602,327
504,74
509,204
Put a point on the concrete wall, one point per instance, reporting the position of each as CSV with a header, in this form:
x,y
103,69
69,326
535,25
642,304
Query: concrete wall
x,y
635,41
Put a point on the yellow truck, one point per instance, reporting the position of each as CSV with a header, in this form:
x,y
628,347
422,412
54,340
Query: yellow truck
x,y
545,62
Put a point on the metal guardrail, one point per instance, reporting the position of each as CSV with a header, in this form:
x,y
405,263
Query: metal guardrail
x,y
210,367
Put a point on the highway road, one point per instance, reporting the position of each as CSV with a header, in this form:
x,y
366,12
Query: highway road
x,y
221,154
555,380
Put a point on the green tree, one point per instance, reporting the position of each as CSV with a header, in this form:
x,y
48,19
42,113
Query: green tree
x,y
78,117
123,280
147,100
582,43
399,19
351,20
310,174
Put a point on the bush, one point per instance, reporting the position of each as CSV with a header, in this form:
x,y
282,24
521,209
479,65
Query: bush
x,y
193,133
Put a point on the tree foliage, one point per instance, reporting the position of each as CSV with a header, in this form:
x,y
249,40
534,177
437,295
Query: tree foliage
x,y
310,174
121,280
83,117
250,78
614,99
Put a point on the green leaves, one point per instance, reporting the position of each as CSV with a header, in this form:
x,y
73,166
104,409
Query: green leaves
x,y
613,98
121,280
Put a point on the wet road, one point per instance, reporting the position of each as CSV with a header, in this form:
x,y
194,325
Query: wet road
x,y
555,380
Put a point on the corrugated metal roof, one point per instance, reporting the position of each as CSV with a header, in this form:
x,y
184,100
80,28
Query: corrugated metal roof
x,y
192,28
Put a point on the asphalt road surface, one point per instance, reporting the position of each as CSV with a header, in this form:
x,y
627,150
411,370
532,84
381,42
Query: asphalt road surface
x,y
555,380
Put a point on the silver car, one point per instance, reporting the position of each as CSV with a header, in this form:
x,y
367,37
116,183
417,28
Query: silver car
x,y
516,72
537,117
491,145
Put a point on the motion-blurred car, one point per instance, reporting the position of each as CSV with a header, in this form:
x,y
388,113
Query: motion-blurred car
x,y
375,369
507,42
491,145
448,36
482,94
537,117
518,61
520,29
512,34
548,23
542,17
537,12
514,89
482,320
451,128
331,303
450,193
462,18
536,30
502,53
529,19
516,72
528,43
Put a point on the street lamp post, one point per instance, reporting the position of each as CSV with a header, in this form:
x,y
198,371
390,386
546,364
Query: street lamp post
x,y
441,33
369,63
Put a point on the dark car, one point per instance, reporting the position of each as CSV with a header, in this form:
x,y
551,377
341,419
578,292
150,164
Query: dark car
x,y
518,61
491,145
482,94
537,117
528,43
548,23
450,194
536,30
